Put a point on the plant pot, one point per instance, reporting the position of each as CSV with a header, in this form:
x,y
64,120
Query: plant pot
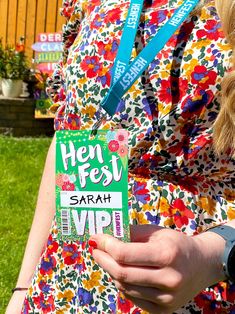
x,y
11,88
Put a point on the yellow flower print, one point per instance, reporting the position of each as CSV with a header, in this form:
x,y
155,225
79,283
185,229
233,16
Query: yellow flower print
x,y
169,222
101,289
160,144
82,81
63,310
201,44
208,204
229,195
189,66
164,74
67,295
164,205
141,218
135,90
225,47
231,213
133,215
164,109
75,17
93,281
204,15
89,110
147,207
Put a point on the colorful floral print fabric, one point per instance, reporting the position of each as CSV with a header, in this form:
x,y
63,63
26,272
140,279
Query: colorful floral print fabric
x,y
176,180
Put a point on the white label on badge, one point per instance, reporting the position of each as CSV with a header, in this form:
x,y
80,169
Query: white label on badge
x,y
91,199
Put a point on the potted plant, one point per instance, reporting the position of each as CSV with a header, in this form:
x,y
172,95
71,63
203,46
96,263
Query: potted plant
x,y
13,69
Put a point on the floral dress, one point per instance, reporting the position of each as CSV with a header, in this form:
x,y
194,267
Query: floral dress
x,y
175,179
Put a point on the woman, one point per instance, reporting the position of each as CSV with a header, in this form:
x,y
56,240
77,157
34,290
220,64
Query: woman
x,y
178,179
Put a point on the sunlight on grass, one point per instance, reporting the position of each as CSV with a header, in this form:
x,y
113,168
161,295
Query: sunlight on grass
x,y
21,164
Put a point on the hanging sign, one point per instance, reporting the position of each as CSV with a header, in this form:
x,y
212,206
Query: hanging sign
x,y
48,51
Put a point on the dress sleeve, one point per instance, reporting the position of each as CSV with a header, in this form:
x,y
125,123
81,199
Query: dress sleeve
x,y
73,12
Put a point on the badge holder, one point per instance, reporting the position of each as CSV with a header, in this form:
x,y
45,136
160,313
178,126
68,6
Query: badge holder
x,y
104,117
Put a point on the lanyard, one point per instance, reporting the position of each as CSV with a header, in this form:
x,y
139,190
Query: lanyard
x,y
127,40
125,75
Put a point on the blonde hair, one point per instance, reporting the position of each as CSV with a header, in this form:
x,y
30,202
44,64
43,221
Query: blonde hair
x,y
224,126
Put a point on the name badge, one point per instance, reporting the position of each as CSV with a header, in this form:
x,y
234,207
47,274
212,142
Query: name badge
x,y
92,184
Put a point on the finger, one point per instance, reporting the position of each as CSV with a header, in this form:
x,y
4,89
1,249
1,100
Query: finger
x,y
145,293
135,254
162,279
142,233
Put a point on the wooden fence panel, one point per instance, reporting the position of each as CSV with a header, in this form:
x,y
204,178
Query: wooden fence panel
x,y
4,19
28,18
21,18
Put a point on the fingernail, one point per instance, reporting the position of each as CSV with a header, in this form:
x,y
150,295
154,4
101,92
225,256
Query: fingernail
x,y
92,244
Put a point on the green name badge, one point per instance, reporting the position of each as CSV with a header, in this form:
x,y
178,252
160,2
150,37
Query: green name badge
x,y
92,184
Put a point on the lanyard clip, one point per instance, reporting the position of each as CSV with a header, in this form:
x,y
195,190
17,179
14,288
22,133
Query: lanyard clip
x,y
102,119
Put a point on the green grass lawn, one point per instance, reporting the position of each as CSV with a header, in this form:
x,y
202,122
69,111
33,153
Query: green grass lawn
x,y
21,165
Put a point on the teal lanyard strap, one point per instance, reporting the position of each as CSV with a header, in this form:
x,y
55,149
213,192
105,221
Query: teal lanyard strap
x,y
123,80
127,40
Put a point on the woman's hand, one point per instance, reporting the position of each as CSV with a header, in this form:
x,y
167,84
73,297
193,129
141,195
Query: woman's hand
x,y
162,269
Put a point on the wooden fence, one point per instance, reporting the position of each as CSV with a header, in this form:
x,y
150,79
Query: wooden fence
x,y
28,18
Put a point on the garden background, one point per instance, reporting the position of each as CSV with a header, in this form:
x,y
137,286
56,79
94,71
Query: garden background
x,y
21,159
28,18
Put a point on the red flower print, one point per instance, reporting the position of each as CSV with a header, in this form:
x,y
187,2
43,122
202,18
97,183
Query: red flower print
x,y
112,16
113,146
104,78
211,30
137,311
70,254
26,307
124,305
172,90
155,4
45,304
47,264
68,186
92,5
203,77
207,301
122,151
230,293
189,184
98,21
180,213
194,105
52,246
158,17
72,122
141,192
91,65
109,49
143,171
44,287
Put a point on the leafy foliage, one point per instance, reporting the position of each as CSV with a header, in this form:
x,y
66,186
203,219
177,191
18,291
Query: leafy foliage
x,y
13,62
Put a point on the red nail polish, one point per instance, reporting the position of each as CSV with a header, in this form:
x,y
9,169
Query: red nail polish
x,y
93,244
